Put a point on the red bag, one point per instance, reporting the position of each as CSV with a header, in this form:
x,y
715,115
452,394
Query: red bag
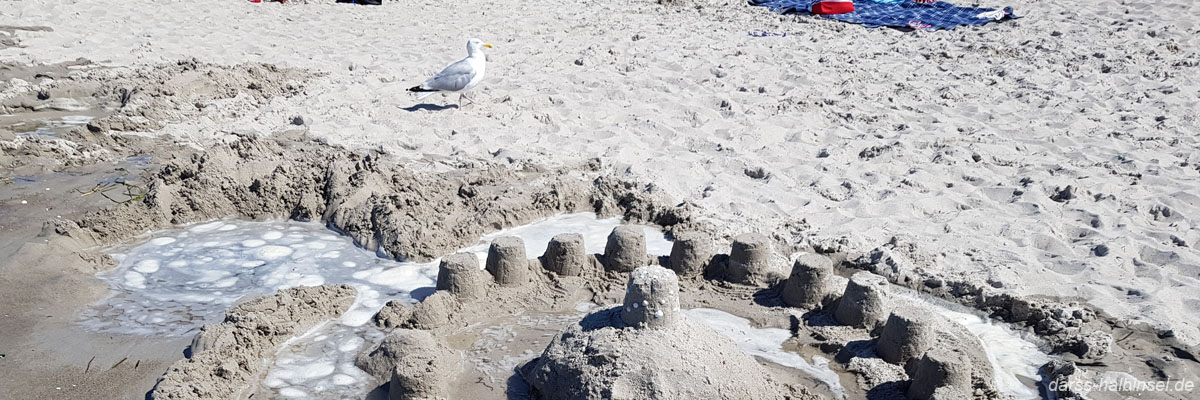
x,y
832,7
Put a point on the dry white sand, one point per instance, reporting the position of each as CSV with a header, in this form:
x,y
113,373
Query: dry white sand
x,y
954,142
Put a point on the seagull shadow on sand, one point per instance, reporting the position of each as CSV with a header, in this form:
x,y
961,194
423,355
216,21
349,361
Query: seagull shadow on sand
x,y
429,107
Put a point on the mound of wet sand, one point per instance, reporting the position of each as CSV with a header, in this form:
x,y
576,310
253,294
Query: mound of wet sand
x,y
417,364
149,99
179,97
226,358
646,349
379,204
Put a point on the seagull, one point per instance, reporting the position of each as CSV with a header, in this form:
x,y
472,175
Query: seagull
x,y
458,77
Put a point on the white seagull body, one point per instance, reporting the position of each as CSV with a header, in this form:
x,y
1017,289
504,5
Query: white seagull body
x,y
459,77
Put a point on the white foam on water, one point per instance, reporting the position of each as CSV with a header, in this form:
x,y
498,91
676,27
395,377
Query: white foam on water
x,y
766,343
162,241
146,266
203,269
76,119
187,278
54,127
1014,354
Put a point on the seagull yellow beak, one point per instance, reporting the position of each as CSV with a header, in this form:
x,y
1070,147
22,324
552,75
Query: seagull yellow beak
x,y
488,45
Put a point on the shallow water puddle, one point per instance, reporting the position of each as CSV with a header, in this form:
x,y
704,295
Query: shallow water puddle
x,y
179,280
1014,354
176,282
767,343
46,127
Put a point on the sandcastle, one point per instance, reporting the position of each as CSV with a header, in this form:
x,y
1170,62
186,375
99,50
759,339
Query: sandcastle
x,y
751,261
691,255
645,349
941,358
506,261
809,285
459,275
565,255
864,303
626,249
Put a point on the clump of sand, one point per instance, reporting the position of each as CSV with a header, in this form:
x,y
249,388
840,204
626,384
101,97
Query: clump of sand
x,y
227,357
417,364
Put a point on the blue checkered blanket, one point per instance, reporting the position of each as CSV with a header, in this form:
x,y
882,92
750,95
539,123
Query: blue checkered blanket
x,y
929,16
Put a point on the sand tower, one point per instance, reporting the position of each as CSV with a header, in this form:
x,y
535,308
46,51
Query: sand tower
x,y
565,255
751,260
645,349
626,249
651,298
809,285
942,373
907,334
506,261
459,274
691,254
864,303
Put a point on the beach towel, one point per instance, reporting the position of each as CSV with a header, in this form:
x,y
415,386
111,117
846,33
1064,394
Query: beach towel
x,y
926,15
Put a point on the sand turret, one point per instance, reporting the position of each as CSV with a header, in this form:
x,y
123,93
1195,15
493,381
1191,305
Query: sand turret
x,y
864,303
907,334
942,373
691,254
460,275
751,260
651,298
626,249
809,285
506,261
565,255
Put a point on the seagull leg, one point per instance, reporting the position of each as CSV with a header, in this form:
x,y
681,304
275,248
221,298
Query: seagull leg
x,y
468,98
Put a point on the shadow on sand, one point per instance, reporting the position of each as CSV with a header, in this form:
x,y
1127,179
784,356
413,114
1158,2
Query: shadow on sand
x,y
429,107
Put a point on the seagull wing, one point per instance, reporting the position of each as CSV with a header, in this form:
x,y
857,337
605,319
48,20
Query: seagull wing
x,y
452,79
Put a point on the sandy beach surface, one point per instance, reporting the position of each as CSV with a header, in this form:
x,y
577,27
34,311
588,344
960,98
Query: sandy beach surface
x,y
1054,156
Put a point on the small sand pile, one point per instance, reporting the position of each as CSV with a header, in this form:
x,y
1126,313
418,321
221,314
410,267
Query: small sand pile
x,y
226,357
418,365
646,349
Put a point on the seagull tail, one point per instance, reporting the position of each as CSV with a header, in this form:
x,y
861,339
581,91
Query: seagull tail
x,y
422,92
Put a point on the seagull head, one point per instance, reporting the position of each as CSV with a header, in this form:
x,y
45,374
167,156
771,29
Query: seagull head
x,y
475,46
